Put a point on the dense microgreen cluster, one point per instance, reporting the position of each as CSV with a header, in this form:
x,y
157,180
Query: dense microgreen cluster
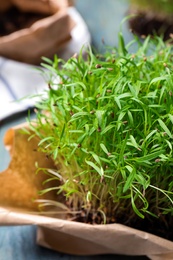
x,y
107,122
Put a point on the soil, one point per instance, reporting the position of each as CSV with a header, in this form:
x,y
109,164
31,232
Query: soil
x,y
13,20
143,24
161,226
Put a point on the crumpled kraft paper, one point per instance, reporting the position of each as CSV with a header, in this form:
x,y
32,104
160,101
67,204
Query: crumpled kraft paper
x,y
41,6
67,236
44,37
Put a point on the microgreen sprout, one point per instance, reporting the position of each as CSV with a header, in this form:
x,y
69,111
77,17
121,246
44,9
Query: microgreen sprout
x,y
107,122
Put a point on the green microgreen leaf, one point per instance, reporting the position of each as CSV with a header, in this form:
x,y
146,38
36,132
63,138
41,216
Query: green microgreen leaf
x,y
130,178
164,127
95,167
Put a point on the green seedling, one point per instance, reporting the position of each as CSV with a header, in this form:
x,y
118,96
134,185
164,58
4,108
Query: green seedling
x,y
107,122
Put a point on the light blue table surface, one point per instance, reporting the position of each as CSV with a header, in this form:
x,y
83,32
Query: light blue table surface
x,y
18,243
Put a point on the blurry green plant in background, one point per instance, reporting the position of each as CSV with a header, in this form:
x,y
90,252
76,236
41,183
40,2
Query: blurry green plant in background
x,y
157,6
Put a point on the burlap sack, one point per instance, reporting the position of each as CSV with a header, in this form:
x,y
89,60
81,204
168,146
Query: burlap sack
x,y
20,185
45,37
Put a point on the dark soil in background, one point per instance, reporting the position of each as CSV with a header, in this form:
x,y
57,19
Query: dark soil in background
x,y
142,24
13,20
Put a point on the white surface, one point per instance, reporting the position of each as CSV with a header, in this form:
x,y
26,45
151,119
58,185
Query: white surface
x,y
19,81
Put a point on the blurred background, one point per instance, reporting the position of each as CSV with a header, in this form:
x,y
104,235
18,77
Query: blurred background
x,y
97,21
103,20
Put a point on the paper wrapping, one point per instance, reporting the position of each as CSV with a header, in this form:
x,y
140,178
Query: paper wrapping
x,y
68,236
45,37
